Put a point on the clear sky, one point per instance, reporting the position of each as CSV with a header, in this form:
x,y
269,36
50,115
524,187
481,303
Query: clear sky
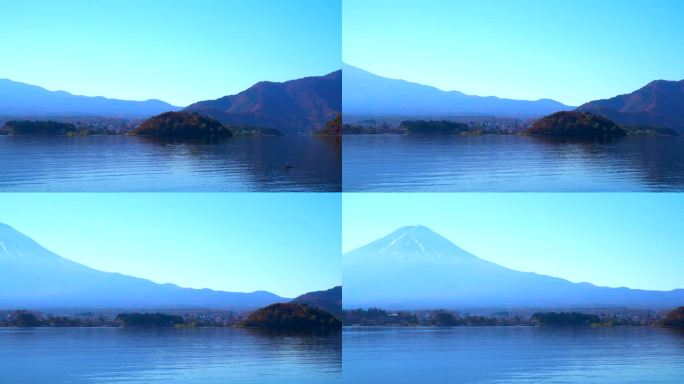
x,y
284,243
180,51
573,51
624,239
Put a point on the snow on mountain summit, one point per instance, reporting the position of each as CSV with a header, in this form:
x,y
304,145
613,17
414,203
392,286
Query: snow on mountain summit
x,y
415,243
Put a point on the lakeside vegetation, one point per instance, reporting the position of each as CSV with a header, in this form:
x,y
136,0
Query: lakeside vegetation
x,y
55,128
565,319
570,125
433,127
303,317
26,318
42,128
282,317
171,125
444,318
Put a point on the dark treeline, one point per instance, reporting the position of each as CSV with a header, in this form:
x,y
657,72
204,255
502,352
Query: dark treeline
x,y
52,128
24,318
432,127
380,317
436,127
149,320
49,127
565,319
292,316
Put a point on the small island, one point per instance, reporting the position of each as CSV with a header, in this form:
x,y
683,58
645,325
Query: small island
x,y
575,125
38,128
292,317
182,126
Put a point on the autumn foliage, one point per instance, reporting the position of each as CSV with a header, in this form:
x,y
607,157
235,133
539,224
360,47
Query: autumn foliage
x,y
292,317
182,126
577,125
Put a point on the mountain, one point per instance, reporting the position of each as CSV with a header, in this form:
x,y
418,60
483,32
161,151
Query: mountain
x,y
415,268
659,104
34,278
330,300
301,106
370,95
19,99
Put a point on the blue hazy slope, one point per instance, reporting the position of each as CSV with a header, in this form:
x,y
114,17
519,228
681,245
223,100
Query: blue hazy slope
x,y
19,99
33,277
364,93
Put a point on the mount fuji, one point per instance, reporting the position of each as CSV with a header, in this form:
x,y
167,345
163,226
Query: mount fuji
x,y
415,268
32,277
367,94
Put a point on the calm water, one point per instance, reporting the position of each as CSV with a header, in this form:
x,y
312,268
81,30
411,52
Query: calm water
x,y
202,356
510,163
121,163
473,355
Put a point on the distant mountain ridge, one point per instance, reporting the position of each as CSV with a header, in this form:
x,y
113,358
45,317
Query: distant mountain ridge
x,y
300,106
25,100
660,103
32,277
415,268
330,300
367,94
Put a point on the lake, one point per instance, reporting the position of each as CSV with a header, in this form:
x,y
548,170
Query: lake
x,y
400,163
479,355
183,356
124,163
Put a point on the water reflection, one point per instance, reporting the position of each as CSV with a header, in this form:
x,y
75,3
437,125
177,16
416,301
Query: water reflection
x,y
219,355
120,163
511,163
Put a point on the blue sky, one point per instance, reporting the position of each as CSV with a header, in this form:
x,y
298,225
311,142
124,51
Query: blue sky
x,y
285,243
178,51
625,239
573,51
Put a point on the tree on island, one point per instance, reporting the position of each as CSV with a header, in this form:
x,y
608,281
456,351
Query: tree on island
x,y
292,317
182,126
575,125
